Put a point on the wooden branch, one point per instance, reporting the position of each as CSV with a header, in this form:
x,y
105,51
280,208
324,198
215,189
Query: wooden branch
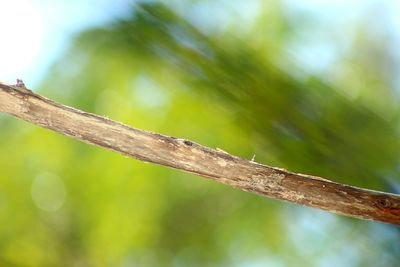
x,y
188,156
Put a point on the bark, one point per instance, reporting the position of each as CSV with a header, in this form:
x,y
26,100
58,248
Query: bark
x,y
191,157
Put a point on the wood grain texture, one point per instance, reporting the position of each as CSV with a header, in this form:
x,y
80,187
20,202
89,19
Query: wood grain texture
x,y
191,157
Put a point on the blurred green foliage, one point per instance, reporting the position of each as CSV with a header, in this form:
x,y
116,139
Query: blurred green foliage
x,y
63,203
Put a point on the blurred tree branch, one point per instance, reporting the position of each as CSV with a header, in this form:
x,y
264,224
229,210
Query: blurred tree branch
x,y
194,158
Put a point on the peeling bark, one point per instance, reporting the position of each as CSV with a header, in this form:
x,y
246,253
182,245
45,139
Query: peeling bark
x,y
191,157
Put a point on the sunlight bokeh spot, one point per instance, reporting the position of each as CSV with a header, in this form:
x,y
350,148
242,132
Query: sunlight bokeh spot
x,y
48,192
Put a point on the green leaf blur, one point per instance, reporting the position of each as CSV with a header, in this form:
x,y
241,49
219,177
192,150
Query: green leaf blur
x,y
64,203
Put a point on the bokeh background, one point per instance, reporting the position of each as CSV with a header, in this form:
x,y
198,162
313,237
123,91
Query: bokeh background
x,y
310,86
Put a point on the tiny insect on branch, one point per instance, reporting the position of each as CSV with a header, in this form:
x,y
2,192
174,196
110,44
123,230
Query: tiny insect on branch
x,y
191,157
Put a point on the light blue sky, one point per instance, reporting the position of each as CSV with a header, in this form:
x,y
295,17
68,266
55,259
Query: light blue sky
x,y
35,32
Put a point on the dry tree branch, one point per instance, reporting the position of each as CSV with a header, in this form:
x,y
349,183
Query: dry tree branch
x,y
203,161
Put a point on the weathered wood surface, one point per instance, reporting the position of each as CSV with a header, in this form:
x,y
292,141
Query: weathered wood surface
x,y
191,157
